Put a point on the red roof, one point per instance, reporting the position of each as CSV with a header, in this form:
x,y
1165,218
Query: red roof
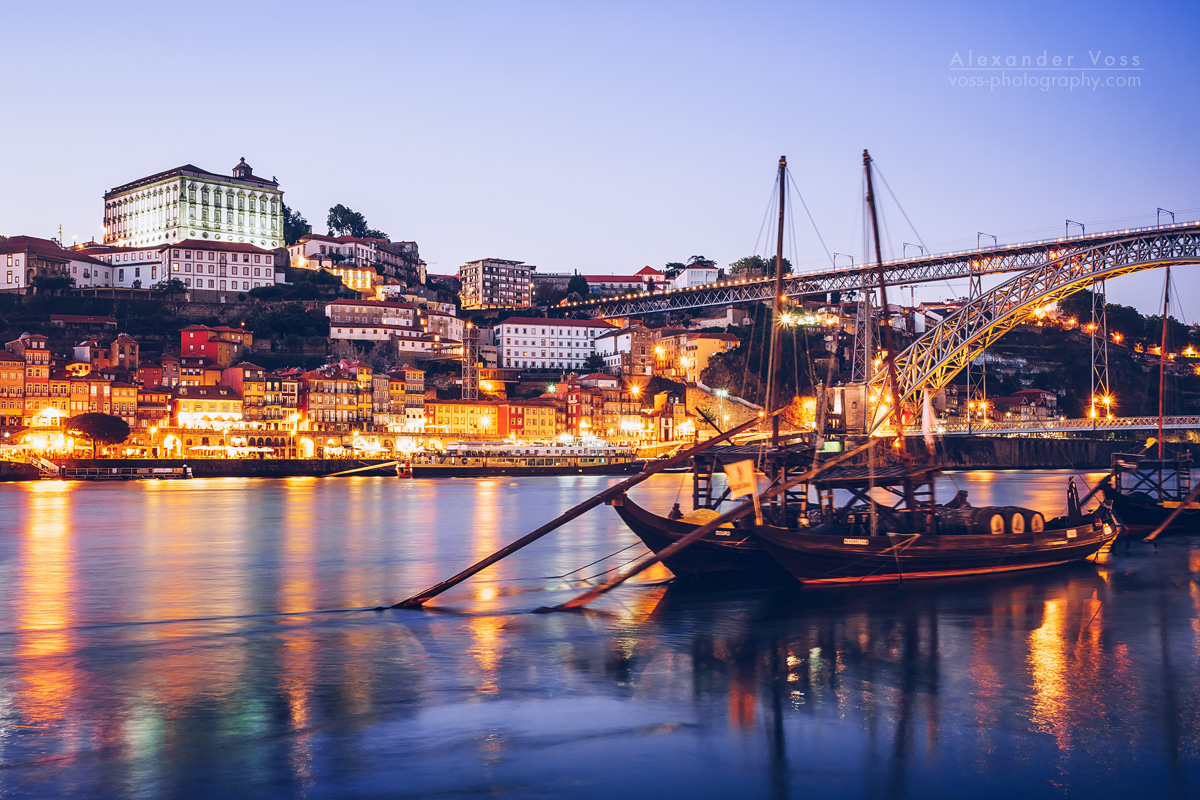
x,y
723,337
316,237
375,303
201,244
84,319
612,278
44,248
577,323
208,392
648,270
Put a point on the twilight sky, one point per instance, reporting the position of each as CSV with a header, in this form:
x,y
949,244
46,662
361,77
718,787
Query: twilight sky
x,y
601,137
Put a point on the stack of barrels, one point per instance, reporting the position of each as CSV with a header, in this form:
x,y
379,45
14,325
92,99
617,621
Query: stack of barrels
x,y
989,520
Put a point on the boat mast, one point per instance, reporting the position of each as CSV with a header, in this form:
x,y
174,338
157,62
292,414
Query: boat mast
x,y
776,340
885,326
1162,365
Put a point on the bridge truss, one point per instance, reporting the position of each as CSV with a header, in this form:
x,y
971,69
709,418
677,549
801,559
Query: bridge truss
x,y
1065,426
932,361
1002,259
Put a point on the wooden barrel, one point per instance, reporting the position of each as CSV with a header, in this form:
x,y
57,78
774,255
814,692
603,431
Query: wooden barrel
x,y
972,521
1023,520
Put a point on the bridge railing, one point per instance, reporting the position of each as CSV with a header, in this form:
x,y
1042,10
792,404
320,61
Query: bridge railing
x,y
1058,425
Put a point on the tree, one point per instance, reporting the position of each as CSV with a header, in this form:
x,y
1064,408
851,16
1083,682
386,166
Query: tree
x,y
757,265
51,284
701,261
594,362
673,268
294,225
103,428
547,294
170,286
343,221
578,284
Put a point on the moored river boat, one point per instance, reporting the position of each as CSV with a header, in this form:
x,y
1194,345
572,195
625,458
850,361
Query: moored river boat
x,y
482,459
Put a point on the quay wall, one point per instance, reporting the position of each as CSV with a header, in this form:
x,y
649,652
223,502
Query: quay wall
x,y
955,452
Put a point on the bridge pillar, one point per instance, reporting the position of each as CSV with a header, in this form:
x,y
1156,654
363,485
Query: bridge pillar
x,y
861,365
1100,406
977,402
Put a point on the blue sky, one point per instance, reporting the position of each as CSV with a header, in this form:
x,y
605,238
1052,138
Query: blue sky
x,y
602,137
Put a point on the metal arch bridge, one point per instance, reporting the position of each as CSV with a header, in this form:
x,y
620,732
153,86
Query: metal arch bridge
x,y
930,363
1056,425
945,266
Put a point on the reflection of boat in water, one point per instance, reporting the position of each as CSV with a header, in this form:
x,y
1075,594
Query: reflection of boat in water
x,y
474,459
1145,491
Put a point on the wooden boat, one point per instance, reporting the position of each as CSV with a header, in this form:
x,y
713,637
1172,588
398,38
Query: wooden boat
x,y
864,541
483,459
728,554
1143,493
721,555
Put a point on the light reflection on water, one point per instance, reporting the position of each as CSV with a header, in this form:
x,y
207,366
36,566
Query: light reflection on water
x,y
216,638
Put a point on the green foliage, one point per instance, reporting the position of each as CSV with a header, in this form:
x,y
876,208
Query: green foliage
x,y
673,268
170,287
292,319
343,221
745,370
102,428
546,294
757,265
701,261
593,362
268,292
578,284
1126,321
294,225
51,283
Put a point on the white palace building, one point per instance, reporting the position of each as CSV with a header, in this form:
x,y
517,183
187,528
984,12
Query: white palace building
x,y
190,203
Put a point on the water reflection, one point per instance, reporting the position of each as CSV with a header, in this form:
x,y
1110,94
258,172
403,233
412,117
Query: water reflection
x,y
233,655
44,605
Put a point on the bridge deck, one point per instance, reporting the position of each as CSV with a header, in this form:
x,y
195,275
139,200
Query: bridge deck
x,y
958,264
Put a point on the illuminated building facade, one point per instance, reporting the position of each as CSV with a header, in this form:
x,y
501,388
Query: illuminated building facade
x,y
207,407
191,203
199,265
349,256
496,283
12,389
533,343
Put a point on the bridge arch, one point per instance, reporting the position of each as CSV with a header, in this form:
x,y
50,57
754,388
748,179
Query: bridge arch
x,y
931,362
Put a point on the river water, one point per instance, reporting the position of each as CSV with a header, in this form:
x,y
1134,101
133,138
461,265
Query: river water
x,y
215,638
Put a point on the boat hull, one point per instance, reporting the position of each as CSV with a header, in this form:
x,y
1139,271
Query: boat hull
x,y
725,555
829,558
1143,516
